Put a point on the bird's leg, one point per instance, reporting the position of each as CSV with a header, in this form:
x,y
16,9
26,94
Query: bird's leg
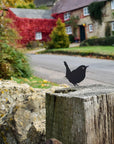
x,y
77,85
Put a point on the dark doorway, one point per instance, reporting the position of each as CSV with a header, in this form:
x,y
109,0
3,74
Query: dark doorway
x,y
82,33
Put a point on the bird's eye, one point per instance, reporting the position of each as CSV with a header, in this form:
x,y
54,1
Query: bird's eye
x,y
83,68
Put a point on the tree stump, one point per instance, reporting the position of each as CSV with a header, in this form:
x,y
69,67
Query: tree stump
x,y
81,115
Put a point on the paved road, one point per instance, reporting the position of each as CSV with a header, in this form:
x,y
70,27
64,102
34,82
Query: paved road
x,y
51,67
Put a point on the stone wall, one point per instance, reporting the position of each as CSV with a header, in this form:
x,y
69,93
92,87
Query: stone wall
x,y
82,115
22,113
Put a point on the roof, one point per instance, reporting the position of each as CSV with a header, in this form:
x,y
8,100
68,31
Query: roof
x,y
32,13
44,2
69,5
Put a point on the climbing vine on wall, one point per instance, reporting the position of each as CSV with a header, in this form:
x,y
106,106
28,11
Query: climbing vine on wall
x,y
27,27
95,10
73,23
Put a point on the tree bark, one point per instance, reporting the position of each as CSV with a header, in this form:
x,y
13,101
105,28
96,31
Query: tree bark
x,y
83,116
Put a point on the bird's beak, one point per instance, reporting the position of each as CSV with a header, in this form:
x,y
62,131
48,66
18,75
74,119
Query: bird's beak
x,y
87,66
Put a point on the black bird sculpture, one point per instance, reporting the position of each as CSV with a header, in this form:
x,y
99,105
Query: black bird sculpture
x,y
77,75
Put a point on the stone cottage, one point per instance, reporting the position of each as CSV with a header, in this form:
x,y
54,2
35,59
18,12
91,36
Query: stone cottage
x,y
35,24
86,27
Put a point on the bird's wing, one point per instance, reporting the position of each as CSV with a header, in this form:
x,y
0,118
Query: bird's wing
x,y
76,71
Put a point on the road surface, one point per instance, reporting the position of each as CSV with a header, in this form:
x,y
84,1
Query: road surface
x,y
51,67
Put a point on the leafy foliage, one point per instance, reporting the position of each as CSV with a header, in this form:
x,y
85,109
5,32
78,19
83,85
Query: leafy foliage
x,y
12,61
106,41
15,3
59,38
27,6
107,30
95,10
71,38
73,23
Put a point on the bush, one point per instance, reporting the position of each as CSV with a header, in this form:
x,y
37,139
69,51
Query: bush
x,y
98,41
59,38
13,63
71,38
27,6
33,44
112,33
31,6
107,30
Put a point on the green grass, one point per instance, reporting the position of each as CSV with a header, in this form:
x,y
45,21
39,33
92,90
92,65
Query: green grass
x,y
35,82
97,51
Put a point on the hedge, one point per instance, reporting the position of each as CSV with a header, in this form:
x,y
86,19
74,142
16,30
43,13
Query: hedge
x,y
98,41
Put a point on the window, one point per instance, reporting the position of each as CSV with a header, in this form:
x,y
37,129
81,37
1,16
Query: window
x,y
66,16
112,4
68,30
85,11
38,36
90,28
112,26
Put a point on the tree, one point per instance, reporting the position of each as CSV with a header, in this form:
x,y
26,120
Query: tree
x,y
59,37
15,3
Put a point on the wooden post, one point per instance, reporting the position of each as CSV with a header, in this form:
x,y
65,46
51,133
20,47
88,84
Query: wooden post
x,y
82,115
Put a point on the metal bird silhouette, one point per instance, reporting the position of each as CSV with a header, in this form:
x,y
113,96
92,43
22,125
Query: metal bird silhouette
x,y
77,75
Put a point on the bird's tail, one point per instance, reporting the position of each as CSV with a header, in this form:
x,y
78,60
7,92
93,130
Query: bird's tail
x,y
67,68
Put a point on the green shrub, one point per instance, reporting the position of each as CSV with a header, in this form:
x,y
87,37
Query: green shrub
x,y
29,6
13,63
107,30
112,33
59,38
98,41
71,38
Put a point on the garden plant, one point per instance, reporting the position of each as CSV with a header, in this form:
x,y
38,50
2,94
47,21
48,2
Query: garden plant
x,y
12,61
59,37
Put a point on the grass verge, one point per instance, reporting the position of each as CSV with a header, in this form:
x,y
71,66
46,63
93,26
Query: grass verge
x,y
106,52
35,82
